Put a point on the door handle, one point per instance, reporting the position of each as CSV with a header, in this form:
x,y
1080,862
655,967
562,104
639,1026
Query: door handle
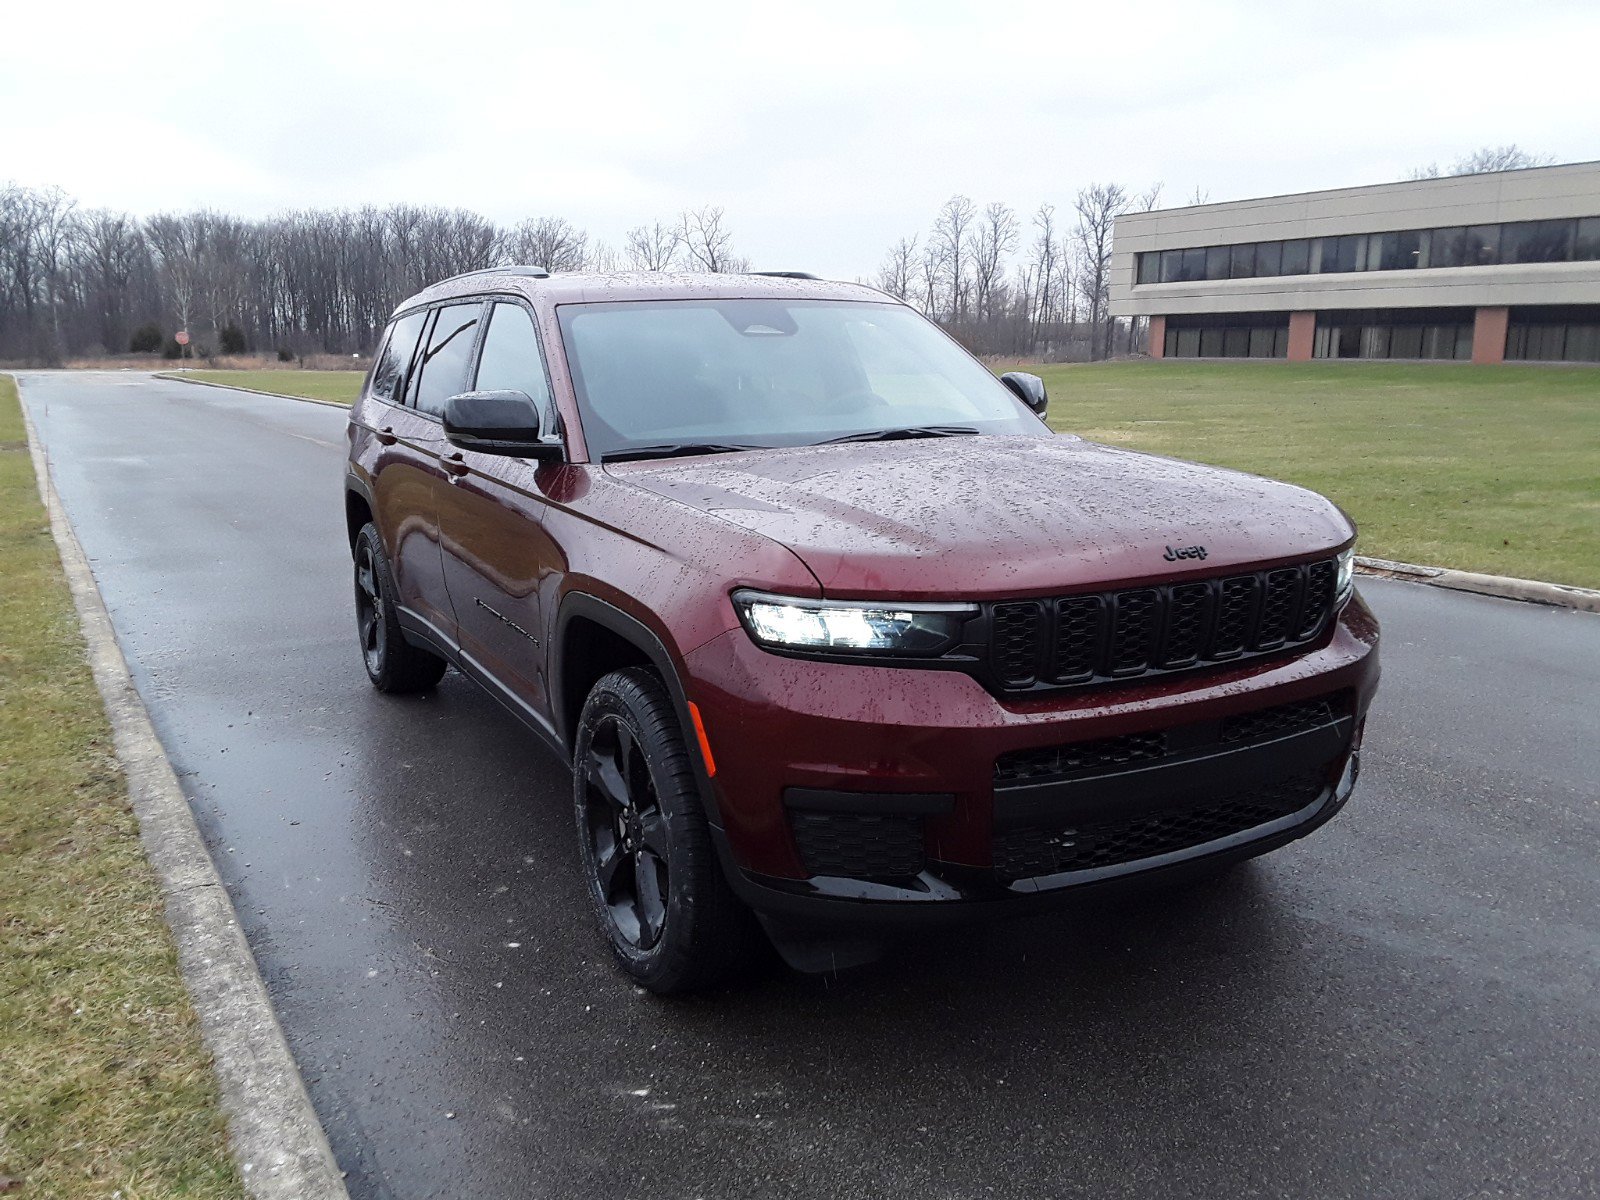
x,y
455,467
385,435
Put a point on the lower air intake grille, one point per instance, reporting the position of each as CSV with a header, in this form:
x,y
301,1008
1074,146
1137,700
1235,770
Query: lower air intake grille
x,y
1031,851
859,845
1047,762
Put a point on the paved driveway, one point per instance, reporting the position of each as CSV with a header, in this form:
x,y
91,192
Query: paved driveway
x,y
1406,1004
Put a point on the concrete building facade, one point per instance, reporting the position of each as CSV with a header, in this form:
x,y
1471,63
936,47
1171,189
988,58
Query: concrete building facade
x,y
1482,267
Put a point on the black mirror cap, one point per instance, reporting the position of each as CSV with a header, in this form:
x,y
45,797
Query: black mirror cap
x,y
496,423
1029,389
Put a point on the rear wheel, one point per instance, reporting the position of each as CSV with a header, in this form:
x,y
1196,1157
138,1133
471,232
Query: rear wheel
x,y
393,664
654,880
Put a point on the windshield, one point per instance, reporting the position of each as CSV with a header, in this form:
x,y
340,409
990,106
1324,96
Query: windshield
x,y
704,375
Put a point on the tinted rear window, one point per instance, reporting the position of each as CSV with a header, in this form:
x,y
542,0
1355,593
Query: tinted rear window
x,y
444,366
388,372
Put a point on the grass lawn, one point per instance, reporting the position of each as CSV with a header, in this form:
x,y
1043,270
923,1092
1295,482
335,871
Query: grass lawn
x,y
339,386
1491,469
106,1088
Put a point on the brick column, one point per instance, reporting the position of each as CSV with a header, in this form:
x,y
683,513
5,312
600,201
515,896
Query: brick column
x,y
1155,342
1302,336
1489,335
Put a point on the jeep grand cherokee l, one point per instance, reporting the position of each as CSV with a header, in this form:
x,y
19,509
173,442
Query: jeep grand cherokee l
x,y
836,634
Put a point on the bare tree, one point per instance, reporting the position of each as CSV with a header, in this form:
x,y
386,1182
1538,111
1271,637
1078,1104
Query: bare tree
x,y
1046,276
952,239
1484,160
175,244
1098,206
549,242
651,247
602,258
897,274
996,238
930,277
706,242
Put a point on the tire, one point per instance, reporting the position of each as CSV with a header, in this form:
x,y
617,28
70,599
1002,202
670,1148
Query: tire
x,y
652,872
393,664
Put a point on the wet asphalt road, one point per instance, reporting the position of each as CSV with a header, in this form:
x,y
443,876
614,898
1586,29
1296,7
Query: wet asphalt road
x,y
1404,1004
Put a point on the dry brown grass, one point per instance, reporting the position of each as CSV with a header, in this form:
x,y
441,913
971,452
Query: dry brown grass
x,y
105,1086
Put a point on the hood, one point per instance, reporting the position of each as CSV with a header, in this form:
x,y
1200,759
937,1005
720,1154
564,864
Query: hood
x,y
977,517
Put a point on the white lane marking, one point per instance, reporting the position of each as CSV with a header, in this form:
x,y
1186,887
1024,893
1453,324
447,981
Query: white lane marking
x,y
304,438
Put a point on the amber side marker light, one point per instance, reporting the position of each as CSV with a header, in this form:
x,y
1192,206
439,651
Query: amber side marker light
x,y
700,732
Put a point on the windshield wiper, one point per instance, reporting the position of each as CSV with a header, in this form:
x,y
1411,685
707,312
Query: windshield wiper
x,y
897,435
675,450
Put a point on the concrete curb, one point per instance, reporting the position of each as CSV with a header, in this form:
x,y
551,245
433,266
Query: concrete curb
x,y
1533,591
274,1133
177,378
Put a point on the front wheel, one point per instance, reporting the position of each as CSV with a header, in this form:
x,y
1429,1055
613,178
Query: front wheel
x,y
671,920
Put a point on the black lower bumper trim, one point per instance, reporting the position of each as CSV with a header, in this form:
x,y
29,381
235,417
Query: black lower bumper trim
x,y
952,893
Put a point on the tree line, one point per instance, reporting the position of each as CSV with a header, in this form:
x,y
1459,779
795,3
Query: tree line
x,y
77,281
83,282
1040,290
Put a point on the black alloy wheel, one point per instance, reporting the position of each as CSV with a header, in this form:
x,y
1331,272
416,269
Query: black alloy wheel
x,y
393,664
627,834
654,878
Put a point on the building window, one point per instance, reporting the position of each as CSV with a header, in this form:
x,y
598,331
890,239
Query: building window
x,y
1480,246
1562,240
1444,333
1227,335
1586,244
1536,242
1565,333
1445,247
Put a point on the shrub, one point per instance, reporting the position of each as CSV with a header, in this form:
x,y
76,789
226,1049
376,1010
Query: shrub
x,y
231,340
285,354
146,339
171,349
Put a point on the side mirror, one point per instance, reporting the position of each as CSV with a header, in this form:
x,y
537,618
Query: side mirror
x,y
496,423
1029,389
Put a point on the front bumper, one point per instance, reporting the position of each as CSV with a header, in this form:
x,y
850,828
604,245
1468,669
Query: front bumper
x,y
793,738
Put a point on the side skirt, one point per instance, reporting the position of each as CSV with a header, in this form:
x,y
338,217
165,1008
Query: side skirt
x,y
422,632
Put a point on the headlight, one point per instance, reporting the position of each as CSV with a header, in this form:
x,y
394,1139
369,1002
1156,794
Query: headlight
x,y
1346,573
850,627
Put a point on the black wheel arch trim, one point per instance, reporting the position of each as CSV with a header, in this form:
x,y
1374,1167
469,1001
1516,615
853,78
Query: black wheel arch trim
x,y
354,484
644,639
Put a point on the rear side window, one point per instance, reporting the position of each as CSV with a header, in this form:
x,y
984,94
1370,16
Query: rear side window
x,y
444,364
388,373
511,360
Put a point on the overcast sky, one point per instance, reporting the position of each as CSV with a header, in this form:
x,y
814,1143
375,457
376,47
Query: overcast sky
x,y
825,129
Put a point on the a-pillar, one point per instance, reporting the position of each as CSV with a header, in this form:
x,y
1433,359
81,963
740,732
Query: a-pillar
x,y
1302,335
1155,343
1489,335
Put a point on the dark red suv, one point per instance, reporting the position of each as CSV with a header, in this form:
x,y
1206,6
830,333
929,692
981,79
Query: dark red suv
x,y
836,633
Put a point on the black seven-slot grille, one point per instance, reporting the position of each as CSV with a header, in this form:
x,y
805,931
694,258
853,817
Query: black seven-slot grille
x,y
1106,636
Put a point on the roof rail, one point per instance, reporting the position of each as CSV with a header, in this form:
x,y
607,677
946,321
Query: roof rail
x,y
531,272
786,274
